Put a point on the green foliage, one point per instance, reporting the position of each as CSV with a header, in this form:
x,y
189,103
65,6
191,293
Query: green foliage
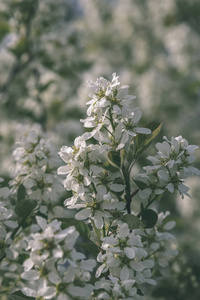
x,y
132,221
189,12
141,185
81,227
25,207
185,275
3,247
130,153
149,217
4,29
142,142
116,158
21,193
139,292
21,47
18,295
91,248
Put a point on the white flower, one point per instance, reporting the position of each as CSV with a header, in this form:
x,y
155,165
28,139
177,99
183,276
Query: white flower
x,y
5,213
160,244
130,121
41,289
113,288
174,152
95,209
152,185
124,255
77,273
45,269
170,166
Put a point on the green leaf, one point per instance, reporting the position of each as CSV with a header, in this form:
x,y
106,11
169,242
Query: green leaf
x,y
158,197
142,206
143,141
130,155
107,166
139,292
43,87
116,158
4,29
21,193
149,217
21,47
140,184
81,227
25,207
97,231
18,295
3,247
132,221
90,247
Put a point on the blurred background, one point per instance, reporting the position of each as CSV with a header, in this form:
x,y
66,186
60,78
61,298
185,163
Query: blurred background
x,y
50,49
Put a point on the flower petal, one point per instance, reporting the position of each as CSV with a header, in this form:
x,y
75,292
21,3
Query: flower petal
x,y
130,253
83,214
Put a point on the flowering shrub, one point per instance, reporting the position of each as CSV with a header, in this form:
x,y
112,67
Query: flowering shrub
x,y
100,246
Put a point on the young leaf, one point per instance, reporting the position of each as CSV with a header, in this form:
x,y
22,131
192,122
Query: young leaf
x,y
130,155
140,184
18,295
97,231
90,247
141,206
142,141
116,158
21,47
158,197
4,29
139,292
21,193
132,221
81,227
25,207
107,166
150,218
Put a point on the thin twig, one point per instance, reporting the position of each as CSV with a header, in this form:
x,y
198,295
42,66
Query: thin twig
x,y
134,193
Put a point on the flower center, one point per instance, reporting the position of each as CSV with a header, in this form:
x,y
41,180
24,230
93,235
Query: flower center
x,y
122,243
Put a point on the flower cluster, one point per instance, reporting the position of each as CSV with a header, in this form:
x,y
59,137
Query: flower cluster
x,y
6,222
35,189
96,189
125,257
54,268
100,186
158,242
113,288
121,248
109,114
171,165
35,170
